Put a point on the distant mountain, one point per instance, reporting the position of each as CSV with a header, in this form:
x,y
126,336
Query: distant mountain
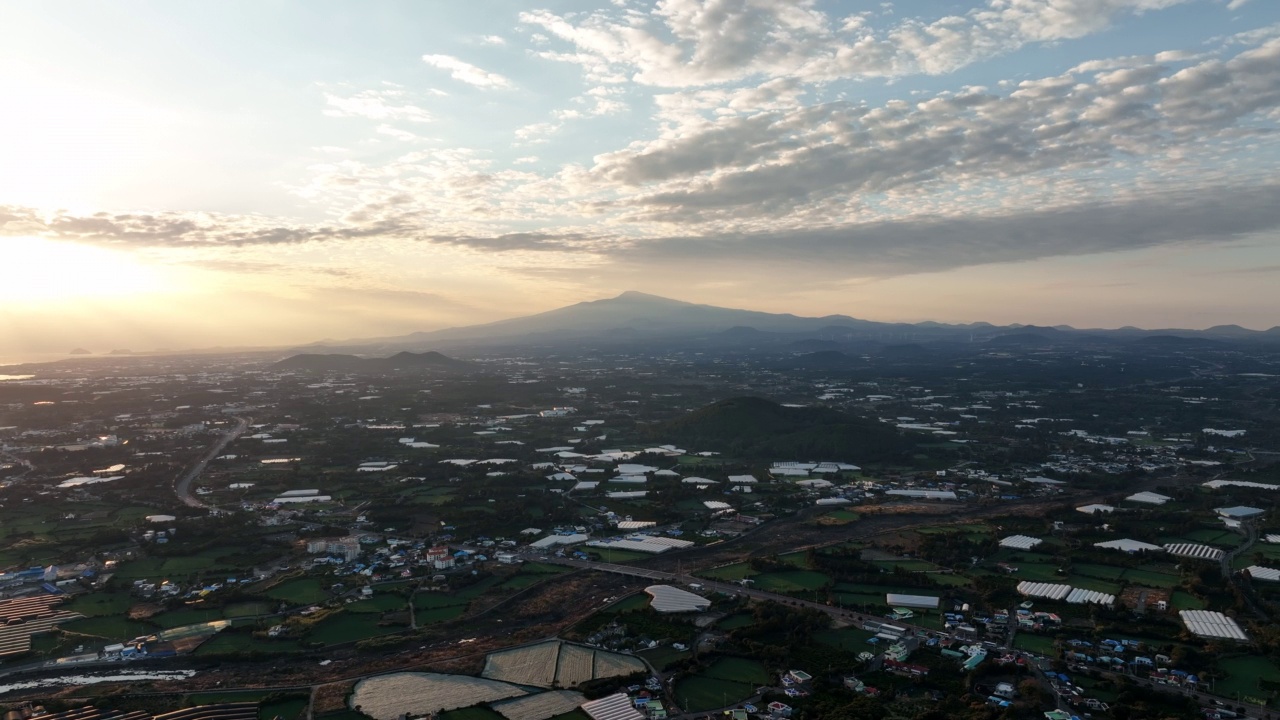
x,y
641,320
400,362
753,427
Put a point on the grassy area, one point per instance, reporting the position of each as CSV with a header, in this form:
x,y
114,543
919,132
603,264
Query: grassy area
x,y
1181,600
663,657
638,601
379,603
186,616
109,627
288,708
850,639
230,643
735,621
1039,644
699,693
739,669
303,591
100,604
791,581
1242,676
344,627
736,571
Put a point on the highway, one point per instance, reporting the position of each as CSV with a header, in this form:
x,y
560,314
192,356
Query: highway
x,y
183,484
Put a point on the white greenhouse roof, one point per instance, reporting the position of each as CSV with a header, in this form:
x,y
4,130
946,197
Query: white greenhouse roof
x,y
1257,572
716,505
743,479
553,540
613,707
1128,545
1192,550
627,494
833,501
1095,509
636,524
1044,590
1207,623
1080,596
928,602
927,494
1149,497
1215,484
667,599
1021,542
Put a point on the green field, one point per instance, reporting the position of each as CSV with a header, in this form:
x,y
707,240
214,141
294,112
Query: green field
x,y
343,627
1038,644
231,642
186,616
1242,675
109,627
736,571
791,581
850,639
303,591
727,681
379,603
661,658
100,604
735,621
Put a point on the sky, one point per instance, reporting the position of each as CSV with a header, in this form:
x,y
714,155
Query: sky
x,y
181,174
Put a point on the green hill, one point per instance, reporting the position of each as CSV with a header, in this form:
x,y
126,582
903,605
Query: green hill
x,y
758,428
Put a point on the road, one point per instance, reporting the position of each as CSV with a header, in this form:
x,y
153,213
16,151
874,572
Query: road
x,y
183,485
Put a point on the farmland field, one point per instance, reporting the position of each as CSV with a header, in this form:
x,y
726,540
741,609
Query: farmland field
x,y
557,662
575,665
305,591
1242,675
532,665
387,697
727,681
346,627
791,581
540,706
736,571
661,657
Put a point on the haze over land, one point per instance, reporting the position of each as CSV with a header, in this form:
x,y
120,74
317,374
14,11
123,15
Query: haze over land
x,y
179,176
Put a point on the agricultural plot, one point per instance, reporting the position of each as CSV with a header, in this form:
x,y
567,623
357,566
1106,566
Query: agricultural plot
x,y
541,706
388,697
575,665
304,591
662,657
531,665
1247,676
791,581
728,681
609,664
736,571
557,662
344,627
850,639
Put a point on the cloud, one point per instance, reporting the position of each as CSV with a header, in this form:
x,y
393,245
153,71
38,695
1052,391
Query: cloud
x,y
492,40
688,43
466,72
382,104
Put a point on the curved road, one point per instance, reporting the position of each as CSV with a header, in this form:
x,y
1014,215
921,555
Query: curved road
x,y
183,484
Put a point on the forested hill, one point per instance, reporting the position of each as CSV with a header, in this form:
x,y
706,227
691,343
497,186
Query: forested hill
x,y
758,428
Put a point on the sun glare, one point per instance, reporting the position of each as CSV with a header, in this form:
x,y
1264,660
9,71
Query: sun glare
x,y
46,271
